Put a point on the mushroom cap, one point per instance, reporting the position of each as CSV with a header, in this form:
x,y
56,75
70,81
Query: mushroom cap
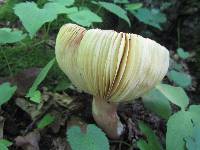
x,y
113,66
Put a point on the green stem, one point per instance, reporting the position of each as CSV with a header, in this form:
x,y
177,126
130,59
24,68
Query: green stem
x,y
123,142
178,34
38,43
48,29
98,10
6,59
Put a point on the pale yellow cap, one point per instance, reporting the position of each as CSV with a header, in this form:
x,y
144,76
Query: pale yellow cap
x,y
113,66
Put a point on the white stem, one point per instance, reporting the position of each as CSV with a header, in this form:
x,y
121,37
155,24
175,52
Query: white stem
x,y
105,115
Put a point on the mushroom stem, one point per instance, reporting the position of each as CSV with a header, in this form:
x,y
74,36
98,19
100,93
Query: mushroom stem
x,y
105,115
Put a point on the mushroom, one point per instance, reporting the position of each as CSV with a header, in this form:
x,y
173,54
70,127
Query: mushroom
x,y
113,67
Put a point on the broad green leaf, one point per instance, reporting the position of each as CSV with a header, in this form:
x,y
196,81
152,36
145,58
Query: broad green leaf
x,y
182,54
176,95
8,35
152,141
92,139
115,9
5,142
36,17
56,9
6,92
33,93
32,17
45,121
64,2
121,1
85,17
195,110
180,126
3,147
156,102
193,142
180,78
151,17
71,10
133,6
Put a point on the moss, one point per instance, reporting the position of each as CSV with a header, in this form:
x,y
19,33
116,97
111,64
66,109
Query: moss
x,y
20,58
7,12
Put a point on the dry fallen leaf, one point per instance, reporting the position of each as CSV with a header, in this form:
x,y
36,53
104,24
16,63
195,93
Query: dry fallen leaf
x,y
61,144
29,142
23,80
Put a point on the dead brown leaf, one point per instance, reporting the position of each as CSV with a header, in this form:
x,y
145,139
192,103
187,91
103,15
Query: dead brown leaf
x,y
29,142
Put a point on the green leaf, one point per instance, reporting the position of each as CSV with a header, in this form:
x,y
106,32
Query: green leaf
x,y
64,2
36,17
133,6
152,142
195,110
35,96
176,95
5,142
182,54
57,8
193,142
63,85
180,126
121,1
85,17
45,121
92,139
115,9
3,147
6,92
152,17
8,35
156,102
33,93
180,78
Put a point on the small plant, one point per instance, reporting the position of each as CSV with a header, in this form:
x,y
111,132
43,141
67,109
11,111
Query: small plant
x,y
177,74
33,93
